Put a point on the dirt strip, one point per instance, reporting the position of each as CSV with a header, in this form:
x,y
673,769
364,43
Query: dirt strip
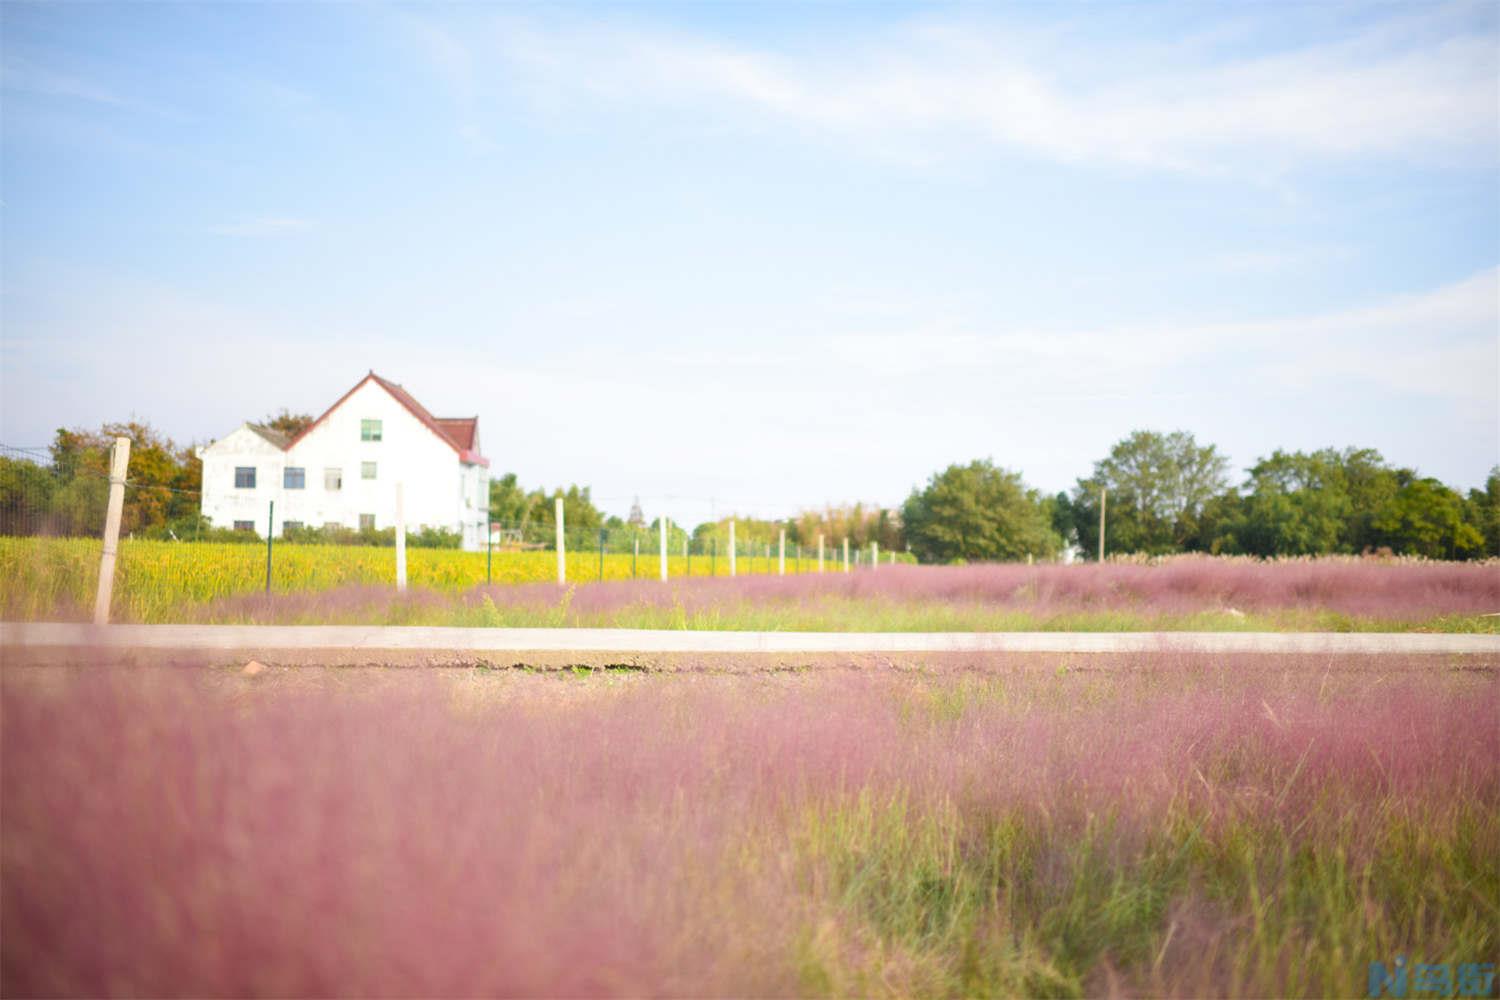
x,y
678,650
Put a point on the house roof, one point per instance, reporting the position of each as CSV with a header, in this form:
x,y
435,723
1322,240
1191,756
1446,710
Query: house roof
x,y
459,439
461,430
275,437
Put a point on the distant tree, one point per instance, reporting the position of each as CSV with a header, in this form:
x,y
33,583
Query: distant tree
x,y
1297,504
581,519
1159,485
510,505
749,532
977,512
165,481
1426,518
676,535
288,423
27,498
1483,512
1061,514
859,523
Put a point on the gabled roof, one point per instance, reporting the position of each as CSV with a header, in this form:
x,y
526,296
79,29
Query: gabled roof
x,y
461,442
275,437
461,430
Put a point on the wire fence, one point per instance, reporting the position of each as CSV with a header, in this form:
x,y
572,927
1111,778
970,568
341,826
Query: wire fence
x,y
53,511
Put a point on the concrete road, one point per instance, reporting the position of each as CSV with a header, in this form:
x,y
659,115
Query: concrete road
x,y
347,638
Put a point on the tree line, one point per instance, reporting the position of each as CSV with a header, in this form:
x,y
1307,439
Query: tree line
x,y
1162,493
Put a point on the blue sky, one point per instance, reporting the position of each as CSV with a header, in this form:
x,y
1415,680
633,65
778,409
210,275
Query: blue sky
x,y
755,257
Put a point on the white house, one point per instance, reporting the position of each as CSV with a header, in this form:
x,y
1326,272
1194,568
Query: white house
x,y
344,467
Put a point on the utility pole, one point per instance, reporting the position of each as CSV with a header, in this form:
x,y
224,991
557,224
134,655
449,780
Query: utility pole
x,y
1103,499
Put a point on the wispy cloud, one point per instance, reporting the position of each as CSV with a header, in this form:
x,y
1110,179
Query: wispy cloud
x,y
260,227
1439,343
1421,89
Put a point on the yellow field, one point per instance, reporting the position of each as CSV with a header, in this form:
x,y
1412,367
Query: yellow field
x,y
42,577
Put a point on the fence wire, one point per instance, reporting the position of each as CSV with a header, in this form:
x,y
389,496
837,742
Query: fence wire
x,y
53,510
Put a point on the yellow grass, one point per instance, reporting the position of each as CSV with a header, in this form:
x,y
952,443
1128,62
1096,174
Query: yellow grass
x,y
43,577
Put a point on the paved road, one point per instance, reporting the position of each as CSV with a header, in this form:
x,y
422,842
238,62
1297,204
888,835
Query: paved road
x,y
519,640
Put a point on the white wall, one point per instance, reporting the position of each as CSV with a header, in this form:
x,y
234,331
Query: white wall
x,y
441,491
223,504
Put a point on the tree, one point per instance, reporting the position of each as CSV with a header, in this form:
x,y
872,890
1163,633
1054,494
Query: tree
x,y
510,505
289,423
1426,518
580,517
27,498
1159,485
749,533
1297,504
165,481
977,512
1484,512
860,524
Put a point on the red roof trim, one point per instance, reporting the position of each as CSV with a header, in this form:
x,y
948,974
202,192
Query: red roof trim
x,y
417,410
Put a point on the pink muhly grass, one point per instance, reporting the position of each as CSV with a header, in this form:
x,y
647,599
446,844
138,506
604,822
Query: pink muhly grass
x,y
1371,589
180,831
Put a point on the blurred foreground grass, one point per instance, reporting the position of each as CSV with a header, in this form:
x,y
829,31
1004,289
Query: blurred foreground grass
x,y
1179,826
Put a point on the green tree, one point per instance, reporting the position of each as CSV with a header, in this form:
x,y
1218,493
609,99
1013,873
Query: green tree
x,y
1299,503
581,519
164,481
750,534
1484,512
977,512
1426,518
289,423
510,505
27,497
1159,485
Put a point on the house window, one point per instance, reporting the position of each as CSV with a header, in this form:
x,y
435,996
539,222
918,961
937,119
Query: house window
x,y
293,478
244,477
369,430
333,479
367,522
244,526
367,470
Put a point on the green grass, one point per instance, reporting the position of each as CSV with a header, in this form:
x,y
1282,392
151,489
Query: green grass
x,y
930,901
192,582
815,614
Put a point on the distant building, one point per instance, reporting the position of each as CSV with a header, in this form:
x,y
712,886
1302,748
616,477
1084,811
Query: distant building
x,y
344,467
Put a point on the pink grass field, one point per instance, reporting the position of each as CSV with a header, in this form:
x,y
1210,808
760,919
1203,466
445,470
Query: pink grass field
x,y
1379,591
1134,824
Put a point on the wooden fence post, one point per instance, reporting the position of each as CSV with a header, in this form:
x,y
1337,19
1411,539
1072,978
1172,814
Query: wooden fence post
x,y
119,460
562,556
846,553
400,536
270,534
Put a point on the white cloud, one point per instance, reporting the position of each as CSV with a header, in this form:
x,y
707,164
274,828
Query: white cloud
x,y
1423,92
1442,342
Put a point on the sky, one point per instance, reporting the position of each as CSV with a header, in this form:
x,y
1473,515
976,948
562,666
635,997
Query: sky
x,y
754,258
